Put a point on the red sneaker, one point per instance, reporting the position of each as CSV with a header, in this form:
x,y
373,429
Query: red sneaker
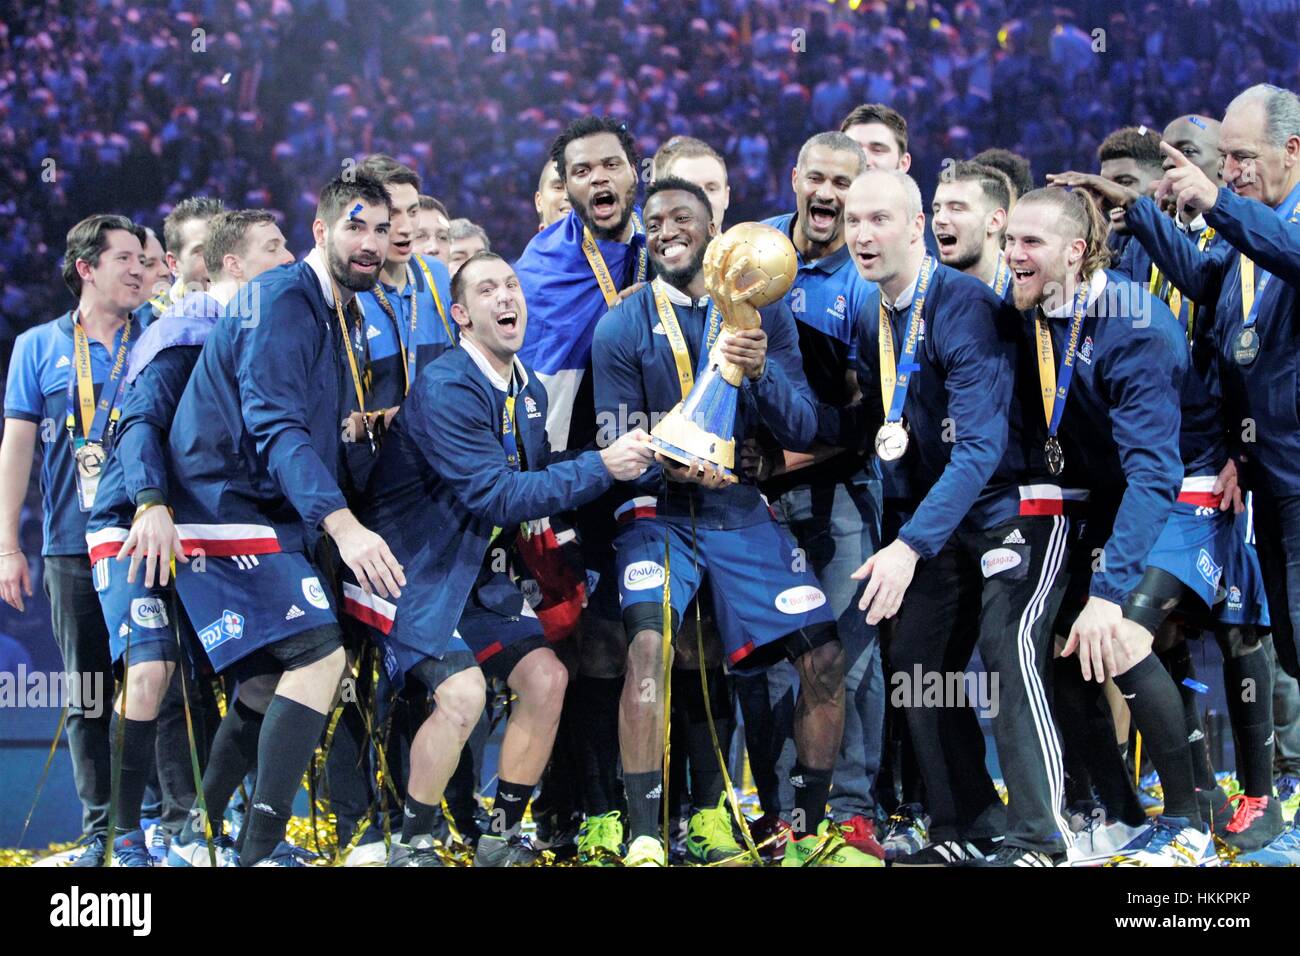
x,y
770,827
860,833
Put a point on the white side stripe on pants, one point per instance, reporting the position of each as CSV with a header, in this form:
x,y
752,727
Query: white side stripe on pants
x,y
1034,691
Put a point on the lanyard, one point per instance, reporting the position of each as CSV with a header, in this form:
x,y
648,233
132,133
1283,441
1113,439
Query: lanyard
x,y
1249,300
601,271
437,300
1001,277
407,370
509,429
1160,286
95,418
1056,388
352,364
892,398
677,341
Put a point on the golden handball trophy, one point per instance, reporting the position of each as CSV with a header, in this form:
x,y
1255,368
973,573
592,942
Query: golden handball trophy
x,y
749,266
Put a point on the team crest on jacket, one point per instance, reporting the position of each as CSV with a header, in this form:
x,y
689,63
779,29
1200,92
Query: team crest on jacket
x,y
1085,350
530,406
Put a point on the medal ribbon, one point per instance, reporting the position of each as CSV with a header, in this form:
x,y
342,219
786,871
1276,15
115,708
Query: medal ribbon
x,y
894,380
1054,391
407,362
601,271
95,418
437,300
1001,277
352,364
677,341
1249,300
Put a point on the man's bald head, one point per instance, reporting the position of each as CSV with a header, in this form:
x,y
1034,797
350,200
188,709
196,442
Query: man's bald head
x,y
884,226
1197,138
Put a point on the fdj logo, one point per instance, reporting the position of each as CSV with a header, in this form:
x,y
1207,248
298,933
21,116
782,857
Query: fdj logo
x,y
229,627
1208,569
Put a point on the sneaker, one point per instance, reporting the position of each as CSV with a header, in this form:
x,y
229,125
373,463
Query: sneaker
x,y
1288,795
860,833
370,849
93,855
906,831
600,839
1216,810
769,833
1019,856
1257,823
1173,843
516,850
952,853
195,853
157,841
644,851
1098,840
131,849
1283,851
286,854
423,852
826,848
560,838
710,837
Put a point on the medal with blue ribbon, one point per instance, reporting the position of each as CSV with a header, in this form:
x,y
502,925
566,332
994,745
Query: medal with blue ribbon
x,y
1056,386
891,437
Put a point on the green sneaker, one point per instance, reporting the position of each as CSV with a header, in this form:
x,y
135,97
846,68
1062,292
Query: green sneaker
x,y
645,851
600,840
709,837
827,848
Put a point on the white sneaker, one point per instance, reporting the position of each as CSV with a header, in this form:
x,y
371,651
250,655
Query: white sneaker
x,y
196,853
368,854
1172,844
644,851
1098,841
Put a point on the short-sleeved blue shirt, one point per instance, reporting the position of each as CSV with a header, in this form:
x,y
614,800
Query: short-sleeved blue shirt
x,y
37,391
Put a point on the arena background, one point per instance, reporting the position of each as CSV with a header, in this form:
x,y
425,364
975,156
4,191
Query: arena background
x,y
128,107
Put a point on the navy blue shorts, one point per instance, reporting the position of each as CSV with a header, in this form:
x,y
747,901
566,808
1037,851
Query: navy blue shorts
x,y
763,590
131,611
245,603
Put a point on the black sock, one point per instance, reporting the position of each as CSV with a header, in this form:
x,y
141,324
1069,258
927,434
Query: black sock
x,y
1178,661
137,758
290,734
1158,715
508,807
596,706
1248,681
233,755
1088,729
812,788
643,793
418,819
706,775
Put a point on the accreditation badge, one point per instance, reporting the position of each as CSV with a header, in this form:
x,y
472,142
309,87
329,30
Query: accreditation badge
x,y
90,457
891,441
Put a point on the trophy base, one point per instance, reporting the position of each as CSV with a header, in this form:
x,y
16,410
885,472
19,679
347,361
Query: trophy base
x,y
680,439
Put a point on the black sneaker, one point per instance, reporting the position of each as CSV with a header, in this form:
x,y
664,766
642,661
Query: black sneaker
x,y
952,853
1019,856
495,851
1258,823
1217,810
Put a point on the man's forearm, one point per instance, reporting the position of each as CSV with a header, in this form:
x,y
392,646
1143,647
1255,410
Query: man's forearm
x,y
16,452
